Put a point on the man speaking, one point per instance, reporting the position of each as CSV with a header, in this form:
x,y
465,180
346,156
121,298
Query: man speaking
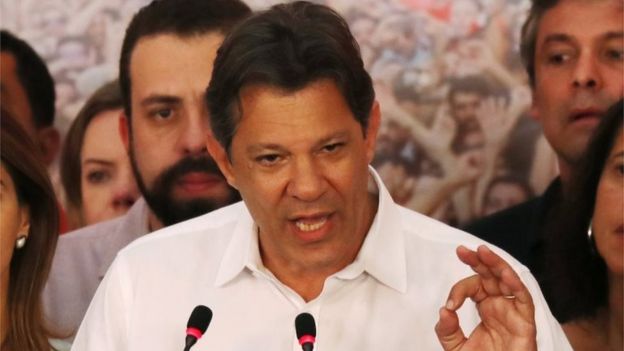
x,y
294,120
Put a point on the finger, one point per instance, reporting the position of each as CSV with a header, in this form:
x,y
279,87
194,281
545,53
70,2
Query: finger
x,y
466,288
509,281
495,266
523,300
447,329
488,270
472,259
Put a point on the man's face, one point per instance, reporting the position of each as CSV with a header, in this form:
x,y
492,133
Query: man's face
x,y
13,94
464,107
169,126
299,160
579,71
503,195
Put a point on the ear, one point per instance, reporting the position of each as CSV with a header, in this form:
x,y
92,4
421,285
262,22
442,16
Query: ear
x,y
49,142
220,156
374,120
24,220
124,130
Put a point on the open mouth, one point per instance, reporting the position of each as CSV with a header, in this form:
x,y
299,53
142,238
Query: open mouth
x,y
309,225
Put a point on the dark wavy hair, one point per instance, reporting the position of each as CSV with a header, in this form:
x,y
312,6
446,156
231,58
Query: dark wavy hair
x,y
287,46
575,275
31,264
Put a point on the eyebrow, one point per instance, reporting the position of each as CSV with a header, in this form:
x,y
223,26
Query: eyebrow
x,y
98,161
619,154
270,146
614,35
557,38
565,38
160,99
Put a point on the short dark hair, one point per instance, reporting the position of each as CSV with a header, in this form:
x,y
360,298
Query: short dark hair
x,y
521,183
34,76
528,36
27,329
106,98
287,46
471,84
184,18
575,274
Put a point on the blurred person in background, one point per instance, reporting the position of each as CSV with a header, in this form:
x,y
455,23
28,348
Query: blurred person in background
x,y
573,52
584,255
165,67
29,223
505,191
27,91
95,158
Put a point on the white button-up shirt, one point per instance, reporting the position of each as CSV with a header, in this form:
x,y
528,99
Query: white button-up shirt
x,y
387,299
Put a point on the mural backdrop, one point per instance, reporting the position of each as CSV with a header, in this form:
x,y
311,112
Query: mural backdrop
x,y
457,141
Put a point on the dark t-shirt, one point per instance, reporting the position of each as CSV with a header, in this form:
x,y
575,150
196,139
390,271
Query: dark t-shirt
x,y
520,230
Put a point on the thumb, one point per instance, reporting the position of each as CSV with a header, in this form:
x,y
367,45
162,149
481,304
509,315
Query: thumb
x,y
447,329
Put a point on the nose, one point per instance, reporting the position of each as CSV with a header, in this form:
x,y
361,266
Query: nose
x,y
192,139
125,192
307,181
586,73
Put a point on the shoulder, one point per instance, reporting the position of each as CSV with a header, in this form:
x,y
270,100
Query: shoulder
x,y
207,231
509,219
89,236
439,241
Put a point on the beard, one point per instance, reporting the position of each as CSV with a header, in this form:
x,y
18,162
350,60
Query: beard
x,y
160,197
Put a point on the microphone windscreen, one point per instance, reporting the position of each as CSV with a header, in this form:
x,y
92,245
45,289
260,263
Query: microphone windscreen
x,y
200,318
304,325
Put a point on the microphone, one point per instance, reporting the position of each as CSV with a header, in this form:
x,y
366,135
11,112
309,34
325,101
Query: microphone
x,y
197,324
306,331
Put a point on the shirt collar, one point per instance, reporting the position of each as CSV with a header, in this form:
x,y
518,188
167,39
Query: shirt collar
x,y
239,252
382,254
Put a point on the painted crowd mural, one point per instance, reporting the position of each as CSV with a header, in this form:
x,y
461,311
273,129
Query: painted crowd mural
x,y
457,141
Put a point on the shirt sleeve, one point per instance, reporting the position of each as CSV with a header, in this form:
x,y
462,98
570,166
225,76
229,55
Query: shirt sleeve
x,y
550,336
105,326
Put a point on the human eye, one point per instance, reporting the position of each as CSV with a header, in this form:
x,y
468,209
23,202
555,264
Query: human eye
x,y
164,113
332,147
268,159
98,176
558,58
614,54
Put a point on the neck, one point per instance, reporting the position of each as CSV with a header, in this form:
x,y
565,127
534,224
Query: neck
x,y
4,306
153,222
615,323
565,173
307,277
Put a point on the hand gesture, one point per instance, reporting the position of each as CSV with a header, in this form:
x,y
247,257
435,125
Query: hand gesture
x,y
503,302
443,129
497,117
466,169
